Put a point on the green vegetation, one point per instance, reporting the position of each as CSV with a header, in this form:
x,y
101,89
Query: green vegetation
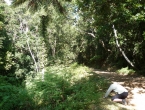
x,y
63,88
38,35
125,71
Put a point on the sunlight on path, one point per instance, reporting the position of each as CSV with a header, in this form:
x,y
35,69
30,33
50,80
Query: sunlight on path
x,y
136,98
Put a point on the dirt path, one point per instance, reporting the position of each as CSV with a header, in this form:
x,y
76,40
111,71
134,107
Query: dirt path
x,y
135,86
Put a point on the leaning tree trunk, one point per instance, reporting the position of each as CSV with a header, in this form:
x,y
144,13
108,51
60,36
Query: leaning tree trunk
x,y
24,29
37,70
118,45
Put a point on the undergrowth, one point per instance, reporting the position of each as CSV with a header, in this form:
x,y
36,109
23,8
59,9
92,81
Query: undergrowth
x,y
125,71
63,88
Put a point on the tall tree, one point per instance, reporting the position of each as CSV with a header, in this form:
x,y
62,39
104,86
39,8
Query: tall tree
x,y
6,56
47,6
25,52
128,18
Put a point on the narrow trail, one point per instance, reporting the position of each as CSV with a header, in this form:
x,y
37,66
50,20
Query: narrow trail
x,y
134,84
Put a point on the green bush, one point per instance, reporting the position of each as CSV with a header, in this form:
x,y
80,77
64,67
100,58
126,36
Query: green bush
x,y
63,88
13,97
126,71
66,88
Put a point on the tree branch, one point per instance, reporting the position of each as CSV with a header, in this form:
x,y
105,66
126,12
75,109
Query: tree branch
x,y
91,34
24,29
118,45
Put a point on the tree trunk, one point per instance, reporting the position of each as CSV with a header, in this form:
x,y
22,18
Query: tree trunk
x,y
24,29
118,45
37,70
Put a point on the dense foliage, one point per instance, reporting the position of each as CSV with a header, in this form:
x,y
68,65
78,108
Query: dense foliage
x,y
83,33
63,88
128,18
36,35
5,46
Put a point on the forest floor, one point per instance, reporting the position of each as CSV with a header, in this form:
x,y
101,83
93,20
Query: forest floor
x,y
135,84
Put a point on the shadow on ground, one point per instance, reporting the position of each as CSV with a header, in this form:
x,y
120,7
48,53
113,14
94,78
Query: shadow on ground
x,y
135,84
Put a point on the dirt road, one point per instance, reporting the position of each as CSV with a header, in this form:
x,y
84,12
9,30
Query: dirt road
x,y
134,84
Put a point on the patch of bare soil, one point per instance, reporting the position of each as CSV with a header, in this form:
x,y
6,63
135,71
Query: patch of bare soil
x,y
134,84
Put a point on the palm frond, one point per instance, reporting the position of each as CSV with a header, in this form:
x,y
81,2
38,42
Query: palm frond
x,y
18,2
35,5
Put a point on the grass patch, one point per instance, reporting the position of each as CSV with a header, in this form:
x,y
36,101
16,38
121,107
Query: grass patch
x,y
126,71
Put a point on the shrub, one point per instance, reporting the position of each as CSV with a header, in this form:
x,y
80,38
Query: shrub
x,y
126,71
73,87
13,97
66,88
